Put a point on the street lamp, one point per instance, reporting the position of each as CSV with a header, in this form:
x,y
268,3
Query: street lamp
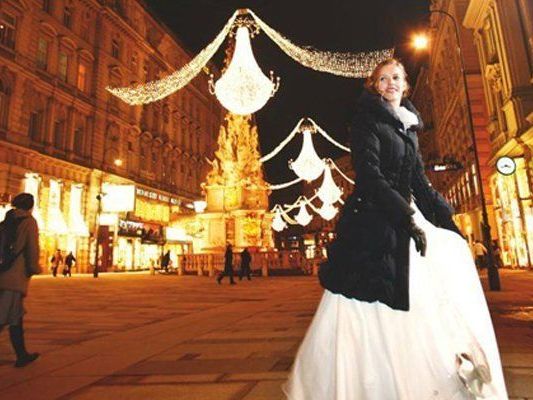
x,y
421,42
117,162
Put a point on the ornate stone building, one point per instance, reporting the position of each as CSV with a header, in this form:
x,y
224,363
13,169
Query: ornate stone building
x,y
503,34
64,137
448,116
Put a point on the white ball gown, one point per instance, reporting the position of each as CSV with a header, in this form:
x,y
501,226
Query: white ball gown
x,y
355,350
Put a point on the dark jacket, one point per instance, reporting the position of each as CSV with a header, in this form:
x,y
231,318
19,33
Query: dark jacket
x,y
18,276
369,259
228,260
245,259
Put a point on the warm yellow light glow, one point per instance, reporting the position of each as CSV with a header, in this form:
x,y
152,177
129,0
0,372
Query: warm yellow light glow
x,y
420,41
308,165
118,162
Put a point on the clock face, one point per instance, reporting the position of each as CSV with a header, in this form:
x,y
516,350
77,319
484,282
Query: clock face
x,y
505,165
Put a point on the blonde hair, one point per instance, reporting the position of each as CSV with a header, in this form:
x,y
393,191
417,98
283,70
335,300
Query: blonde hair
x,y
372,80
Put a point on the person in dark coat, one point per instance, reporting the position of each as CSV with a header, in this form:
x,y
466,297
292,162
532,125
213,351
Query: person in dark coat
x,y
245,265
165,260
56,260
401,286
228,266
14,282
369,260
69,262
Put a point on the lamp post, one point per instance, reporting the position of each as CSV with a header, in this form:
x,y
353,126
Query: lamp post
x,y
421,42
99,196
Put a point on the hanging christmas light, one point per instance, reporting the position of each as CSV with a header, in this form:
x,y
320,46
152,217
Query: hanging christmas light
x,y
328,211
243,88
303,217
308,164
329,192
278,224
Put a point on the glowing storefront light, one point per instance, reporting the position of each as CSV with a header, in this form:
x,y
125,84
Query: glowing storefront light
x,y
55,223
118,198
308,164
329,192
31,185
199,206
244,89
78,227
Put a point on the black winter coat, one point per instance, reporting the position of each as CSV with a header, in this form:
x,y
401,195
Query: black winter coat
x,y
369,259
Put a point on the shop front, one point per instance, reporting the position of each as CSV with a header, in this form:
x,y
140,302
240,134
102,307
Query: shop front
x,y
178,242
513,211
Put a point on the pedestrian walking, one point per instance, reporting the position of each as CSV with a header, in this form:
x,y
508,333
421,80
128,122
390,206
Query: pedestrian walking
x,y
228,266
245,264
165,261
69,262
20,261
480,252
57,261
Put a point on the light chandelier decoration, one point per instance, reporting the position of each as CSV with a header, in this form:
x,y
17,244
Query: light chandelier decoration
x,y
309,166
329,192
244,88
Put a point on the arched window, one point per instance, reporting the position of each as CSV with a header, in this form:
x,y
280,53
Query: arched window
x,y
4,104
36,117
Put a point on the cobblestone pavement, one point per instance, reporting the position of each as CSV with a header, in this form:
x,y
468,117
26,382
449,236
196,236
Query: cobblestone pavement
x,y
167,337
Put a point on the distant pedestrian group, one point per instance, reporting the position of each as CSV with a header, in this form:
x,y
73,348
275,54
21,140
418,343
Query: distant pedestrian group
x,y
67,262
245,269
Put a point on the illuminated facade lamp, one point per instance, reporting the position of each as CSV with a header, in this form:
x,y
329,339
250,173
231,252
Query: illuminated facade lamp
x,y
199,206
118,162
308,164
278,224
329,192
328,211
303,217
243,88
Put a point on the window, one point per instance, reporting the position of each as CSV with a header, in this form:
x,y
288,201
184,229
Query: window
x,y
67,17
35,126
47,6
86,25
130,146
7,30
82,77
62,68
59,134
42,54
79,136
115,48
4,104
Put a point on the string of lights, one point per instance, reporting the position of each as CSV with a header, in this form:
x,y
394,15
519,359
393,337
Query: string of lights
x,y
325,134
340,172
280,146
156,90
349,65
285,185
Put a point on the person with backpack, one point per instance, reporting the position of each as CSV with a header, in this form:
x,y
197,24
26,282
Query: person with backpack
x,y
19,261
69,261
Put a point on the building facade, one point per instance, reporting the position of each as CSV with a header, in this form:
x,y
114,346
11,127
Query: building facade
x,y
65,139
448,136
503,34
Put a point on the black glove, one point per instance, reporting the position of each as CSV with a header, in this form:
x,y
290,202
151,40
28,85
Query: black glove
x,y
418,236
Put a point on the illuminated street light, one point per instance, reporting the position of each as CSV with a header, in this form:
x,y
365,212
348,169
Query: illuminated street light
x,y
420,41
118,162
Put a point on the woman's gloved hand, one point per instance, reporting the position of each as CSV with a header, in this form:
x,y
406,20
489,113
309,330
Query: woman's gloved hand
x,y
418,236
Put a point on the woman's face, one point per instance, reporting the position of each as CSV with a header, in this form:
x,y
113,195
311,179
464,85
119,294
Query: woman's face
x,y
391,83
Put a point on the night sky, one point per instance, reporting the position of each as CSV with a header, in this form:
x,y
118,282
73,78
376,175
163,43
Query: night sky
x,y
336,25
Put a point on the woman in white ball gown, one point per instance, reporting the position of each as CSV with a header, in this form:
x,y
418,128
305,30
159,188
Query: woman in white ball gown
x,y
403,315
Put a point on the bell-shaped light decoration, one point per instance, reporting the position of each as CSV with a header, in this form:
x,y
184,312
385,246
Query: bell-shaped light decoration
x,y
243,88
329,192
308,164
278,224
303,217
328,211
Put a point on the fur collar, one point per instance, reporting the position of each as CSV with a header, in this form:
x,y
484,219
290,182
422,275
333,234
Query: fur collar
x,y
375,104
